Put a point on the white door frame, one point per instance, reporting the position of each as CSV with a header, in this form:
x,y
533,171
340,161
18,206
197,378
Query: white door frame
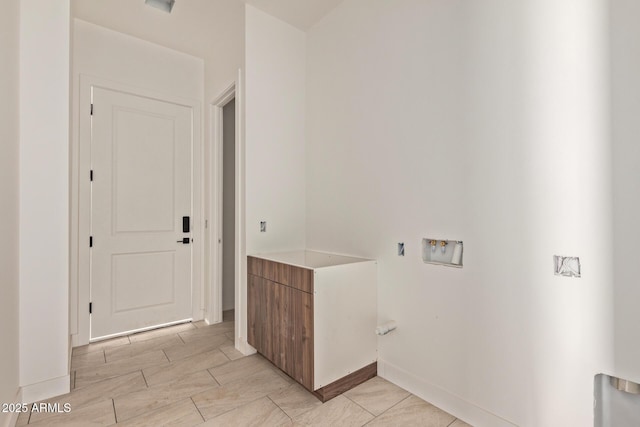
x,y
81,190
234,90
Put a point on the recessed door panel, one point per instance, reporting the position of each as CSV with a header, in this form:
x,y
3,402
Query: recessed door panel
x,y
143,142
130,274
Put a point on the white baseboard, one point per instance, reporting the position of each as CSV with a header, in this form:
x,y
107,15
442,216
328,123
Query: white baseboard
x,y
9,419
46,389
75,340
244,347
455,405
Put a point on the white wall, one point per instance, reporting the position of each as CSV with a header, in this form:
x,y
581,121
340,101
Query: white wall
x,y
568,171
625,57
121,59
485,123
107,54
9,219
275,96
274,142
44,198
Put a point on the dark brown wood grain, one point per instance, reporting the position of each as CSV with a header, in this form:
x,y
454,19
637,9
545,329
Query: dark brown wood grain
x,y
254,266
347,383
271,341
302,279
255,316
302,339
282,327
276,272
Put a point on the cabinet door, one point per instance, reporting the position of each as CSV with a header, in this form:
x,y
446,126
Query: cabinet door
x,y
276,272
254,266
255,312
279,325
301,279
302,338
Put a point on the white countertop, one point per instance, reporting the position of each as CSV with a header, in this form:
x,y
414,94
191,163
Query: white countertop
x,y
310,259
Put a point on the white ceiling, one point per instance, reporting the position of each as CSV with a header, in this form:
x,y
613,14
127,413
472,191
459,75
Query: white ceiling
x,y
299,13
195,25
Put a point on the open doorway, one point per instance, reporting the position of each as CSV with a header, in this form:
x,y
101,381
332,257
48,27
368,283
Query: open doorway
x,y
226,300
228,209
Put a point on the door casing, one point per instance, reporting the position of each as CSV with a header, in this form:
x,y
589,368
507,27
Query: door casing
x,y
81,162
214,301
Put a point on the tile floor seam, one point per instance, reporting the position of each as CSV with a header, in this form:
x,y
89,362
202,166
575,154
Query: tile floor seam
x,y
144,378
279,407
236,408
115,413
181,339
397,403
204,420
365,409
159,408
214,378
104,355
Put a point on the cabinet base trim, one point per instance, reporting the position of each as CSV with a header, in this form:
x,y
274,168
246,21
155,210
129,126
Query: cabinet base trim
x,y
346,383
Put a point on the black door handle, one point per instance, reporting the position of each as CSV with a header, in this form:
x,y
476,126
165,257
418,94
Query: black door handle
x,y
185,241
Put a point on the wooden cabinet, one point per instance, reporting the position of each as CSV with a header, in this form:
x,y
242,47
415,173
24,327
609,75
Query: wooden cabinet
x,y
280,316
283,323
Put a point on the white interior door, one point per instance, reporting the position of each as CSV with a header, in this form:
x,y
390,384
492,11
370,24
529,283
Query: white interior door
x,y
141,189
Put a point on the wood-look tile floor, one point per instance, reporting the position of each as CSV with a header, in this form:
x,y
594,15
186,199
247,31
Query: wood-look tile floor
x,y
191,375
